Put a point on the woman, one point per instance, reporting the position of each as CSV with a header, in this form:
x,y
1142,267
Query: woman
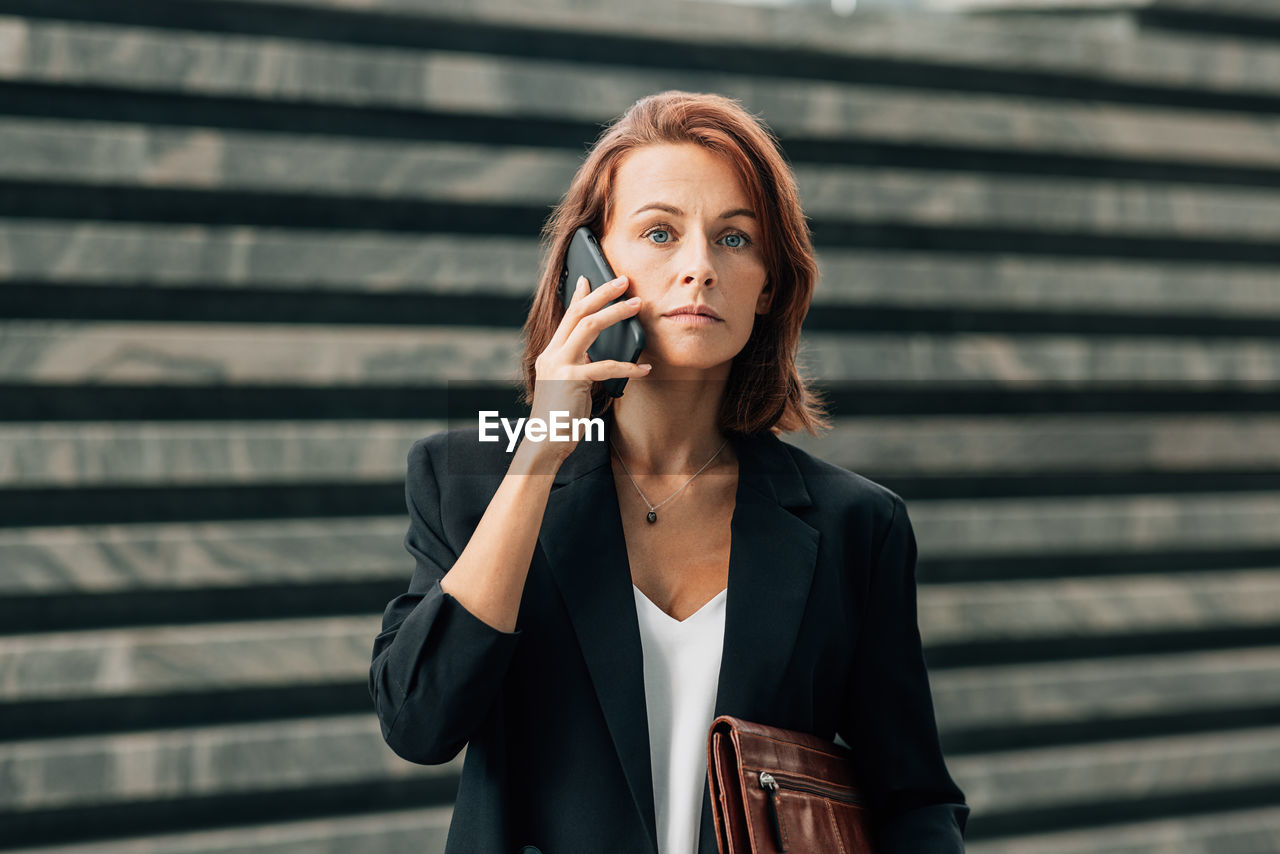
x,y
580,611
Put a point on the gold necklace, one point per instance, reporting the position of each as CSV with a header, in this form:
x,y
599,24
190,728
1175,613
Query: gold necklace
x,y
652,515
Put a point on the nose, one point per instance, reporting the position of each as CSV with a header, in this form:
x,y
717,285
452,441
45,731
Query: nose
x,y
697,265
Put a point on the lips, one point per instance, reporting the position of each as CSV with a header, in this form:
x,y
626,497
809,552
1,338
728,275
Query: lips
x,y
698,310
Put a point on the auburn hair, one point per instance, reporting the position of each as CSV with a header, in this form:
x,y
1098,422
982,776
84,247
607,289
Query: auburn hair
x,y
765,389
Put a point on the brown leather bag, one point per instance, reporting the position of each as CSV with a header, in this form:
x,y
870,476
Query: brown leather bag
x,y
775,790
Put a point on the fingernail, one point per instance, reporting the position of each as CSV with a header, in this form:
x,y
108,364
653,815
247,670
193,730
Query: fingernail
x,y
582,280
633,301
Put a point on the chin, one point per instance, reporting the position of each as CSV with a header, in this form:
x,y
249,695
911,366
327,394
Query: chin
x,y
682,360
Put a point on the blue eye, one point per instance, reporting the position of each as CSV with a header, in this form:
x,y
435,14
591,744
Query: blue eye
x,y
743,240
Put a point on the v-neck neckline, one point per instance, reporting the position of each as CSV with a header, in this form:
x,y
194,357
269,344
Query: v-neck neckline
x,y
701,609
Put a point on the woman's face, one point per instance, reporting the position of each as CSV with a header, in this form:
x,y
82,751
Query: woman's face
x,y
683,231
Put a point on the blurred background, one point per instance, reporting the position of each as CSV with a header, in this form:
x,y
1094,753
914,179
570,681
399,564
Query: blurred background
x,y
251,249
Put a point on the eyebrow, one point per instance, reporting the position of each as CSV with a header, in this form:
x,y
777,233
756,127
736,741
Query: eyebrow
x,y
671,209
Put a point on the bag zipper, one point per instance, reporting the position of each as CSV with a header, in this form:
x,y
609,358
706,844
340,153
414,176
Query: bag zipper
x,y
769,783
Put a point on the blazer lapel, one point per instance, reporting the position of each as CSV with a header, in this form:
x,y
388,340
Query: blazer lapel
x,y
771,568
771,565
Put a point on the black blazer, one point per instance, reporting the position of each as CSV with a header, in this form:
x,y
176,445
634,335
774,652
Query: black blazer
x,y
820,636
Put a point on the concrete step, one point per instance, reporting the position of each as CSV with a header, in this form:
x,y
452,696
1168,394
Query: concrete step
x,y
1066,205
962,445
248,453
185,256
245,354
422,830
1116,772
114,352
169,453
144,60
1111,49
132,155
1067,608
1096,692
202,762
1250,831
1029,360
150,661
1034,527
1007,281
201,556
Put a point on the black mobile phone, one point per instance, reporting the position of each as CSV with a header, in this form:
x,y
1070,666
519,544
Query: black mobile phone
x,y
623,340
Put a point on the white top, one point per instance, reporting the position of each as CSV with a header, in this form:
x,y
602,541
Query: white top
x,y
681,674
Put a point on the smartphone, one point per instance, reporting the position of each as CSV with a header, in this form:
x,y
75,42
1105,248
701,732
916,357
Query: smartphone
x,y
623,340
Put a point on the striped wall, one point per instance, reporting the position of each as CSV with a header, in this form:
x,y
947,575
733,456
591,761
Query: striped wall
x,y
247,246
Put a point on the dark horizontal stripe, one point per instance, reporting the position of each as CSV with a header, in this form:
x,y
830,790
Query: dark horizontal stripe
x,y
1016,736
214,304
52,200
986,240
261,401
984,159
389,29
1027,650
166,502
135,818
239,207
41,299
850,399
104,715
1043,483
940,569
189,109
874,317
175,109
1208,21
1096,815
246,402
91,609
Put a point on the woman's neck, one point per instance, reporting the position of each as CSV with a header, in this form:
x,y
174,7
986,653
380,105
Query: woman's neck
x,y
669,427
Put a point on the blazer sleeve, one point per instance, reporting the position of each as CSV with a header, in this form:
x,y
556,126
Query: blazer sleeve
x,y
437,668
888,719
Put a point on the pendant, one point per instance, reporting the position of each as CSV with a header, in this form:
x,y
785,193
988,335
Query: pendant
x,y
652,517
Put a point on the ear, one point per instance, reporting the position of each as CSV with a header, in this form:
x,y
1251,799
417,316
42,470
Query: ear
x,y
765,301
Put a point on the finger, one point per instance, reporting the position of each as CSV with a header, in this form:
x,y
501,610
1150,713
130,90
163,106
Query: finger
x,y
585,303
566,321
580,289
600,296
610,368
589,328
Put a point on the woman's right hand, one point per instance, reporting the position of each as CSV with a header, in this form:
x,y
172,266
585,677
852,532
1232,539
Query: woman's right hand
x,y
563,371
